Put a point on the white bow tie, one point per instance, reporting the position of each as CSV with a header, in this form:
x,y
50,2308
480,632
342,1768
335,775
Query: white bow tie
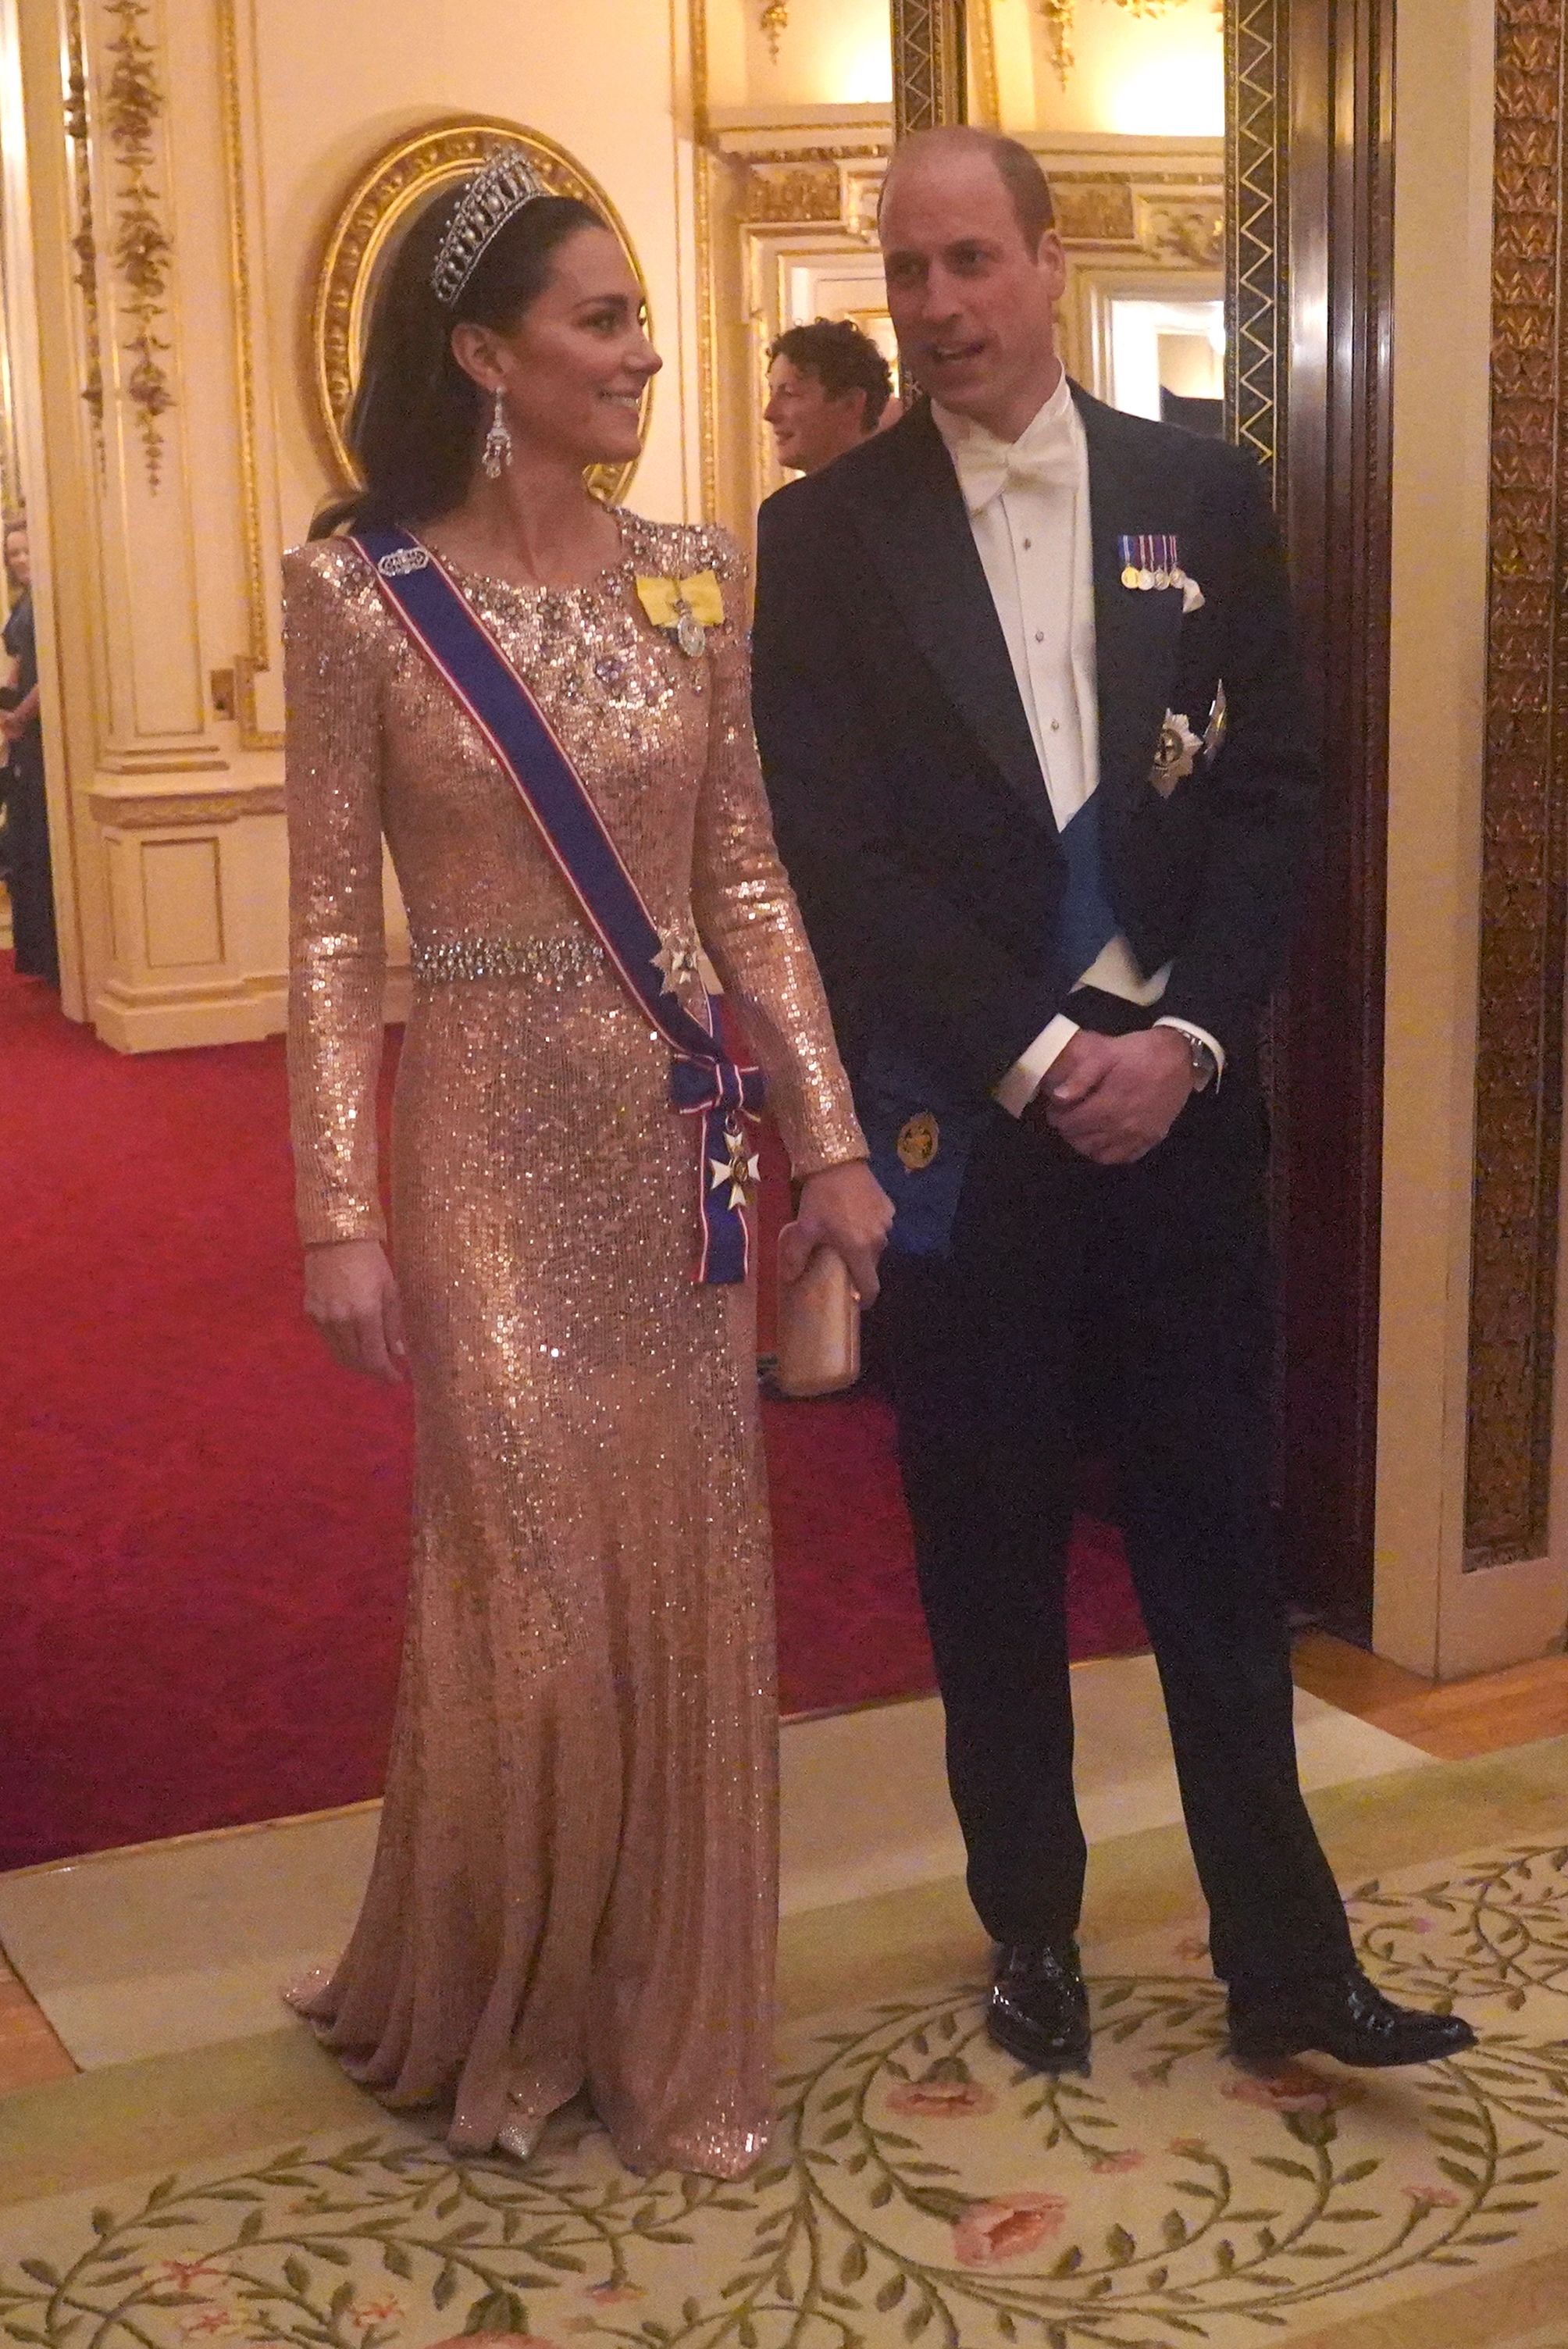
x,y
987,472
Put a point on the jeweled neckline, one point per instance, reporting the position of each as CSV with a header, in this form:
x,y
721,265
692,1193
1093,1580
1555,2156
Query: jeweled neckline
x,y
624,566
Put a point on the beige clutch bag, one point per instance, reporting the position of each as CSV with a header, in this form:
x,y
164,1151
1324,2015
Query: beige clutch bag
x,y
819,1330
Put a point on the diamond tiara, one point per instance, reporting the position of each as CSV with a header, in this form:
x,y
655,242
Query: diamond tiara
x,y
491,198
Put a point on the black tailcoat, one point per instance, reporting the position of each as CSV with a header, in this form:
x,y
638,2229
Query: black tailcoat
x,y
916,826
908,797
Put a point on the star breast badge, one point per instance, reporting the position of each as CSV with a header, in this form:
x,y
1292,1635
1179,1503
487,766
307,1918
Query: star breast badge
x,y
675,959
739,1170
1175,755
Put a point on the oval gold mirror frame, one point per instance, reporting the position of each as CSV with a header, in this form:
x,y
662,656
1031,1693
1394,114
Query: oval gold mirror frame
x,y
401,179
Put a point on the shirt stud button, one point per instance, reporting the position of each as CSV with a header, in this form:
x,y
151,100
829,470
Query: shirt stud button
x,y
1028,543
1039,635
1056,725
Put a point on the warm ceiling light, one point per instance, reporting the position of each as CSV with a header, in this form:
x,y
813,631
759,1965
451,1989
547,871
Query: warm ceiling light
x,y
865,74
1172,97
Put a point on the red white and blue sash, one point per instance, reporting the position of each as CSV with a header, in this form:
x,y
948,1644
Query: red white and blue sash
x,y
705,1081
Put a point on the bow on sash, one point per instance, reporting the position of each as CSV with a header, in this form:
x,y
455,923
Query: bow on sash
x,y
705,1083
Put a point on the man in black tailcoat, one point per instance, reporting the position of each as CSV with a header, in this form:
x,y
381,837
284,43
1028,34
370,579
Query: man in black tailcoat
x,y
1033,729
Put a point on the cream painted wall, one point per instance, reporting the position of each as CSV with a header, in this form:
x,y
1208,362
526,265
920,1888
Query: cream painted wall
x,y
826,53
1160,75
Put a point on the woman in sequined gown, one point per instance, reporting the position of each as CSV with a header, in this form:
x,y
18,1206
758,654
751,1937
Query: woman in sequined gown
x,y
574,1885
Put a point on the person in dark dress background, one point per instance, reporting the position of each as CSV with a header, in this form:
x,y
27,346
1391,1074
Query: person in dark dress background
x,y
28,876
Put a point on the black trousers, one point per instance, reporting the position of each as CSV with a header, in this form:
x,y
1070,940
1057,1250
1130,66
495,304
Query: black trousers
x,y
1143,1296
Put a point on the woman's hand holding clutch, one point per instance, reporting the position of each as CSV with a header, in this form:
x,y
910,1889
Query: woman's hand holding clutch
x,y
352,1296
846,1209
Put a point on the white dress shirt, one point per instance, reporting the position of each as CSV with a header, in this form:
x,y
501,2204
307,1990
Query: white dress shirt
x,y
1028,502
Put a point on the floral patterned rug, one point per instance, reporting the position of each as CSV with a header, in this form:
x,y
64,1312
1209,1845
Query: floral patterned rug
x,y
922,2188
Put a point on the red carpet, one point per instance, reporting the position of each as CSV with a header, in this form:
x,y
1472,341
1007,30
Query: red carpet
x,y
202,1523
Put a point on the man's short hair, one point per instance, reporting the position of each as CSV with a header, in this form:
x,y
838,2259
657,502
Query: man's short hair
x,y
1018,171
841,358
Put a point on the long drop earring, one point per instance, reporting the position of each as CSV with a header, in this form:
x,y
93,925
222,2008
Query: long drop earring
x,y
497,440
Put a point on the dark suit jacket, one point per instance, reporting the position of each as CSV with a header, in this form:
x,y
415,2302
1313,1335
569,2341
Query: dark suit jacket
x,y
909,802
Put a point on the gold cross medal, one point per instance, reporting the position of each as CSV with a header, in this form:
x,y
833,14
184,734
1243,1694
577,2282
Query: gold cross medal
x,y
739,1169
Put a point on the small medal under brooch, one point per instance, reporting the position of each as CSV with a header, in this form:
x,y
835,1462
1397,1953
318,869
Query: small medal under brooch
x,y
740,1171
684,609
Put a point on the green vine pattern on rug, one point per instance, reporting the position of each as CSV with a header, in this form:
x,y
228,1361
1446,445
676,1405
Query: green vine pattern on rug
x,y
1498,1931
858,2230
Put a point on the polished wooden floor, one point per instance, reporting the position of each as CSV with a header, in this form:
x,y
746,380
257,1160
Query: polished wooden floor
x,y
1517,1707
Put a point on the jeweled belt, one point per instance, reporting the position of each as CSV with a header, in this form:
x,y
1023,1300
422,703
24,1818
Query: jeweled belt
x,y
434,960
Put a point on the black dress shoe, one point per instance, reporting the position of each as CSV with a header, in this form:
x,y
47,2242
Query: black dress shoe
x,y
1345,2016
1039,2008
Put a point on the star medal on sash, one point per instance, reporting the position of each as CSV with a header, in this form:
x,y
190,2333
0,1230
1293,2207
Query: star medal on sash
x,y
676,961
1175,755
740,1171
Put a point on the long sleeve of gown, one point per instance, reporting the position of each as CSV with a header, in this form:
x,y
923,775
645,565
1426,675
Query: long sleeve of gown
x,y
747,915
336,946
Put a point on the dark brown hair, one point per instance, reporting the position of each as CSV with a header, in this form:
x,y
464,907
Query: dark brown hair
x,y
419,419
841,358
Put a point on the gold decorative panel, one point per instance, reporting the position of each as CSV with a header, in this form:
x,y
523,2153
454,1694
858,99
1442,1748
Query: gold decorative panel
x,y
802,188
1095,212
1524,841
378,207
140,249
1257,117
84,235
928,68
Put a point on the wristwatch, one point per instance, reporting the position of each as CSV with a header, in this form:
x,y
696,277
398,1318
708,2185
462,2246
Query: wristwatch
x,y
1205,1067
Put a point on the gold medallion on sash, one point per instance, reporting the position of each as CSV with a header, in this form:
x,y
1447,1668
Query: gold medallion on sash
x,y
918,1143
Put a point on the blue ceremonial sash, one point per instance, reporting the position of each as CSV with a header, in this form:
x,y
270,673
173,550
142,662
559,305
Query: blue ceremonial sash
x,y
705,1081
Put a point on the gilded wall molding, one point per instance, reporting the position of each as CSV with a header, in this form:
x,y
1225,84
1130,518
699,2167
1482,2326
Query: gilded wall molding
x,y
798,189
1525,821
255,659
929,79
177,811
141,250
1256,252
1168,218
985,89
702,234
84,232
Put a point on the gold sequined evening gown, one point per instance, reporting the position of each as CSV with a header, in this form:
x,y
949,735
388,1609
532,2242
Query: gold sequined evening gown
x,y
575,1881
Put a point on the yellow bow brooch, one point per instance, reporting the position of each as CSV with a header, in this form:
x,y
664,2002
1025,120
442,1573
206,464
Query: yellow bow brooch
x,y
683,608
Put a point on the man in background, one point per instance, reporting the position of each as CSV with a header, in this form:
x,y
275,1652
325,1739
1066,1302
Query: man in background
x,y
827,389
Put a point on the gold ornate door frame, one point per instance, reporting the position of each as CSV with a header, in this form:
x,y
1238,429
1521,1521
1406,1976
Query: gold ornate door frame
x,y
1515,1270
